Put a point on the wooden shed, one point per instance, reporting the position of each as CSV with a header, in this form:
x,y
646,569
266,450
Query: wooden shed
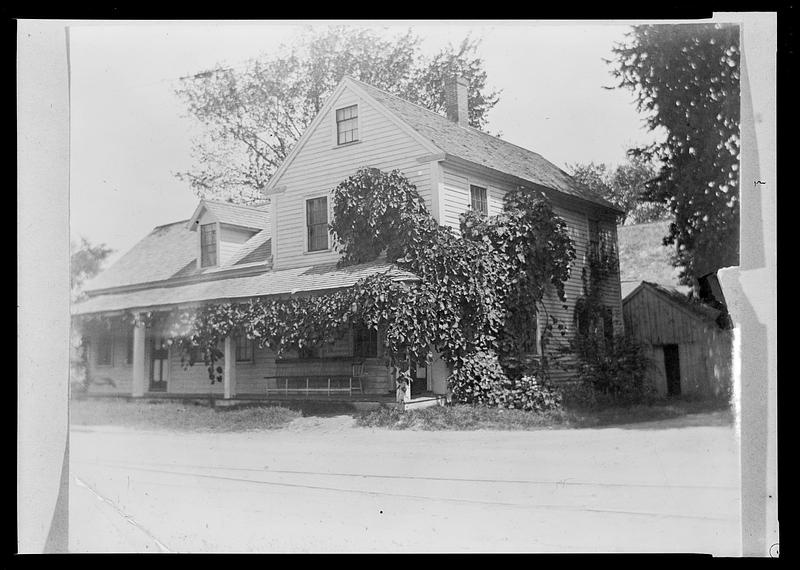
x,y
690,352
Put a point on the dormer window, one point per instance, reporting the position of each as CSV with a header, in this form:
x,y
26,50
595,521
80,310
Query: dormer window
x,y
347,124
208,245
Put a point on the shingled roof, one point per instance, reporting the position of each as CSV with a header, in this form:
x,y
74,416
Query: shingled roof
x,y
170,252
482,148
287,281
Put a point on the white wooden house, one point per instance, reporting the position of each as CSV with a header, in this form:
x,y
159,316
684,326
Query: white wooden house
x,y
225,252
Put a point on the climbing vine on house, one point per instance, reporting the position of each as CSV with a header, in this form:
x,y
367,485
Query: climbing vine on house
x,y
612,365
475,300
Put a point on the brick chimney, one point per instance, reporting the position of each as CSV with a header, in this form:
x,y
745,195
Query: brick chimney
x,y
455,100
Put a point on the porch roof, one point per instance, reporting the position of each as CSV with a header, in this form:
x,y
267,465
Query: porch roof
x,y
268,283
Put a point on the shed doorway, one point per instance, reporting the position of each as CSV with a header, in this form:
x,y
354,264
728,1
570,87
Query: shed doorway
x,y
672,368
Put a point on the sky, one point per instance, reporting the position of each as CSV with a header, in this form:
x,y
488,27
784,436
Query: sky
x,y
130,134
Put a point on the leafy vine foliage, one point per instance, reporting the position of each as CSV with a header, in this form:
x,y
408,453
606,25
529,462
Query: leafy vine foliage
x,y
475,300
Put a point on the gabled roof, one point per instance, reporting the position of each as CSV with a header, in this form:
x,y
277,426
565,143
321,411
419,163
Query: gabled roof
x,y
694,307
282,282
480,148
254,217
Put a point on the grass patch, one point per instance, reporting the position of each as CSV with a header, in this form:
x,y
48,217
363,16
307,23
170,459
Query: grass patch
x,y
177,416
465,417
461,417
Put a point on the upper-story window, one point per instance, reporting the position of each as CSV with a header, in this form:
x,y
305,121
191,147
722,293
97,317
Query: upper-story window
x,y
347,124
478,200
317,222
601,238
208,245
594,237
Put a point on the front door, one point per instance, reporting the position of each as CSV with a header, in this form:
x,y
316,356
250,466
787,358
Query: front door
x,y
419,375
672,368
159,364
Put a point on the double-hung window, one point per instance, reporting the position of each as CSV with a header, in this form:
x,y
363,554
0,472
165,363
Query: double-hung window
x,y
105,349
208,245
347,124
594,237
317,223
244,349
478,199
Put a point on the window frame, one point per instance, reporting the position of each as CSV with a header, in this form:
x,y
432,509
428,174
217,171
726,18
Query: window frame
x,y
102,340
204,244
484,200
309,226
350,120
243,341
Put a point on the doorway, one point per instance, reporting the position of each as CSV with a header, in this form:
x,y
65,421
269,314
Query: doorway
x,y
159,364
672,368
419,375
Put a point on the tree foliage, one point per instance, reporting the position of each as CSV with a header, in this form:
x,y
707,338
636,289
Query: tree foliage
x,y
251,118
85,261
623,186
686,79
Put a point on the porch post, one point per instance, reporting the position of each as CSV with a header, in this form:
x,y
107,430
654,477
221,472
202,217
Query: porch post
x,y
229,375
139,368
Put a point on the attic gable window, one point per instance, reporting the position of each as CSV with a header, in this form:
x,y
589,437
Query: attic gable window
x,y
478,199
347,124
317,223
208,245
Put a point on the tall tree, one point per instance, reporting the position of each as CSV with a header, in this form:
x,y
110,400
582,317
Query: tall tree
x,y
623,186
686,79
250,119
86,261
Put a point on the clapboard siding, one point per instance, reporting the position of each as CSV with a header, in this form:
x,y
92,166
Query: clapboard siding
x,y
321,165
230,241
250,376
456,199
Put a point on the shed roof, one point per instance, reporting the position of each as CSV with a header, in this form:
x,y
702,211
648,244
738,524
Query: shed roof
x,y
266,283
692,306
482,148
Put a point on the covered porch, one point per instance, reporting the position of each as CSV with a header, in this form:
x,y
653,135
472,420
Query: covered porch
x,y
138,360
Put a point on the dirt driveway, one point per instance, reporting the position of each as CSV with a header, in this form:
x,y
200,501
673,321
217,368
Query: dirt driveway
x,y
323,485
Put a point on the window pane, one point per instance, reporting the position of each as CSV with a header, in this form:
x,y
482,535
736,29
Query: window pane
x,y
347,124
208,245
317,222
478,199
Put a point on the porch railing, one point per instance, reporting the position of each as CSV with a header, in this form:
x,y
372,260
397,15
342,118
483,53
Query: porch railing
x,y
310,384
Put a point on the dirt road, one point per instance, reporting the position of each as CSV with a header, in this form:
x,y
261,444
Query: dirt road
x,y
323,485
